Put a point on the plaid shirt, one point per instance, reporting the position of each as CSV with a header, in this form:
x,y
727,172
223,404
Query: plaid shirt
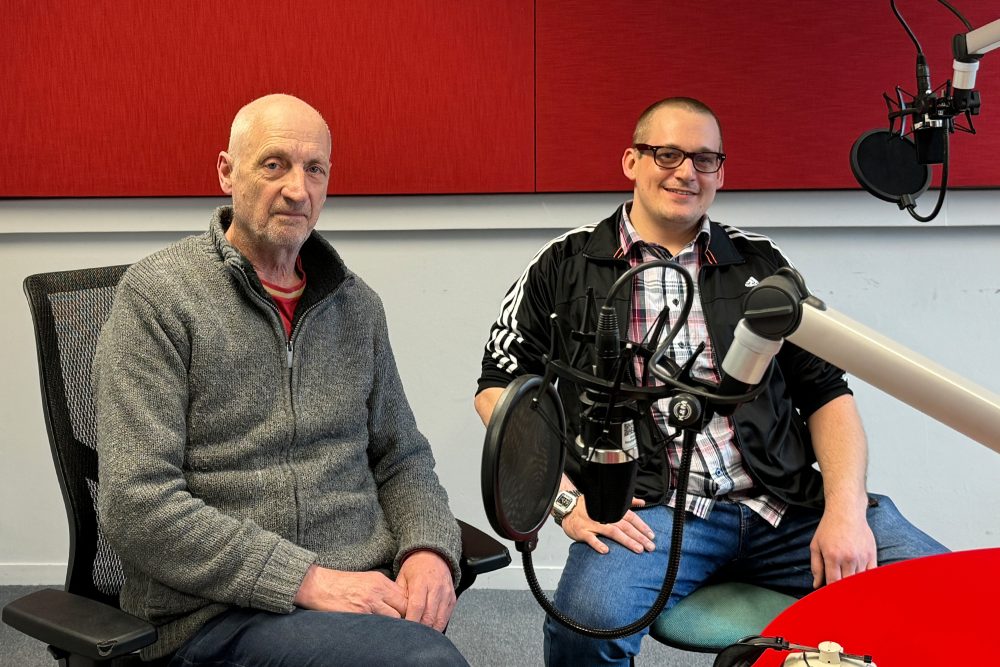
x,y
717,470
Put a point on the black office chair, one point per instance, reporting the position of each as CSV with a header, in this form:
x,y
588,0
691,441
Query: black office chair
x,y
83,624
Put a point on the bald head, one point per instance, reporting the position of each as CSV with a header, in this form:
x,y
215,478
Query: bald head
x,y
269,110
645,122
277,170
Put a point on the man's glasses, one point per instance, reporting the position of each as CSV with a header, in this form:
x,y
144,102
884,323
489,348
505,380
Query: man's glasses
x,y
746,651
669,157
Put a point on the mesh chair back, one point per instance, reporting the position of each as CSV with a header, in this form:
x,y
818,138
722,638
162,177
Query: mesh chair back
x,y
68,309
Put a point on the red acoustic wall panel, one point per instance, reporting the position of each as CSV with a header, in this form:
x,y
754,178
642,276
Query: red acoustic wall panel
x,y
125,98
795,83
130,98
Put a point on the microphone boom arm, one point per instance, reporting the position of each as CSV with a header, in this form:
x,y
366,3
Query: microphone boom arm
x,y
898,371
981,40
901,373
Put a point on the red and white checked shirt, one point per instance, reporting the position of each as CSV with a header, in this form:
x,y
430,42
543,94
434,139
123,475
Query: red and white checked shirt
x,y
717,470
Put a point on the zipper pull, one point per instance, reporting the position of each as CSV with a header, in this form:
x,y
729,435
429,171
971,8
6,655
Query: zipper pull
x,y
289,354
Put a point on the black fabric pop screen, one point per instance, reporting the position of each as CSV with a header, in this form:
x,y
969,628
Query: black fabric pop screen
x,y
523,458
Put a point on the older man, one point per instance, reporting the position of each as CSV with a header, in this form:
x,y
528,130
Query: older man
x,y
760,512
262,477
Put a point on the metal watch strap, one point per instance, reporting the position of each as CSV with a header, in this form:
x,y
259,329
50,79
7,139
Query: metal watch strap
x,y
564,504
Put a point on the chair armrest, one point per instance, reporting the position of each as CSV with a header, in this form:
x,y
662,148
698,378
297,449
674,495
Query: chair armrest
x,y
78,625
480,552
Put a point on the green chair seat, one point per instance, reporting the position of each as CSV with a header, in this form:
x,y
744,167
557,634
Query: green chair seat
x,y
715,616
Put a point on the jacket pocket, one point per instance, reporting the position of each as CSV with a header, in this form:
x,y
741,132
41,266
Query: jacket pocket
x,y
164,604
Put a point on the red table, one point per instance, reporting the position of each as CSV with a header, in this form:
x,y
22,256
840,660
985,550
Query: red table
x,y
917,613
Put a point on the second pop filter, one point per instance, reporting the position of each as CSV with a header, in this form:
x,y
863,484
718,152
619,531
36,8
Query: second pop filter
x,y
887,165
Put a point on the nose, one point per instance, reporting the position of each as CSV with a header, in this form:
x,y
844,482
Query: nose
x,y
294,188
685,170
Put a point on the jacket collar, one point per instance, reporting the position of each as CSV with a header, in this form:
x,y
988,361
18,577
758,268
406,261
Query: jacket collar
x,y
604,243
721,249
324,268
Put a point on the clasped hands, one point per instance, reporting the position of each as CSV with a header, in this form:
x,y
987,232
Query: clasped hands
x,y
423,592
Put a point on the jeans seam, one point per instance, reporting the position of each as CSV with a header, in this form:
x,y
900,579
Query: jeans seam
x,y
744,530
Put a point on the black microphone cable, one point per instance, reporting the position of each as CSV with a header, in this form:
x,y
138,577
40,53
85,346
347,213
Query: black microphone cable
x,y
669,577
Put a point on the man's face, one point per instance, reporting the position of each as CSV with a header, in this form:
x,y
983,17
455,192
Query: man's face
x,y
675,198
278,176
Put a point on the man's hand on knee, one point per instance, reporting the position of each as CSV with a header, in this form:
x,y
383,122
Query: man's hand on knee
x,y
324,589
425,578
843,545
631,532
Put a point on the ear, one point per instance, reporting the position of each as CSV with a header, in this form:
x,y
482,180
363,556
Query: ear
x,y
629,159
722,177
224,166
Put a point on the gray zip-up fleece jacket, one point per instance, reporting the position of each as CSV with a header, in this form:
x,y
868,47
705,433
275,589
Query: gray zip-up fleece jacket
x,y
232,457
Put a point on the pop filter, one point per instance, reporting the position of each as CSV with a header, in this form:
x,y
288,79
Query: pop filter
x,y
523,458
886,165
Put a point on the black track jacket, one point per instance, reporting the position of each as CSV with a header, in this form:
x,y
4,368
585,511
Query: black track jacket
x,y
771,431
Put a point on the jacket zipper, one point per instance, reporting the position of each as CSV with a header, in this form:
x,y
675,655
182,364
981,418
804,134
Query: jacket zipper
x,y
291,349
718,365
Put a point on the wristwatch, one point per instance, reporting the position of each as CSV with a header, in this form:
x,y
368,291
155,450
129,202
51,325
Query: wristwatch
x,y
564,504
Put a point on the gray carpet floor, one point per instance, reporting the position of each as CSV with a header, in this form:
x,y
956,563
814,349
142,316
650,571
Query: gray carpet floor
x,y
492,628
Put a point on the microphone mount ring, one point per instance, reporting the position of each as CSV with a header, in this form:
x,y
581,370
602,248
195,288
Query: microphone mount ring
x,y
686,411
606,456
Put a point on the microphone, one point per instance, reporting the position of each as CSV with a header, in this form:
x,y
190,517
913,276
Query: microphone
x,y
606,344
894,167
931,122
606,445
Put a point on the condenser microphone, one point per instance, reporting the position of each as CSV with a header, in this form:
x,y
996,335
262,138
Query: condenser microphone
x,y
930,124
890,165
606,444
609,452
607,344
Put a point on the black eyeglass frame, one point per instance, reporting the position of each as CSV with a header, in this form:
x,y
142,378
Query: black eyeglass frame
x,y
756,645
655,150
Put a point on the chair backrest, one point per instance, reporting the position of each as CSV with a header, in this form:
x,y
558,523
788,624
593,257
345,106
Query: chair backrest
x,y
68,309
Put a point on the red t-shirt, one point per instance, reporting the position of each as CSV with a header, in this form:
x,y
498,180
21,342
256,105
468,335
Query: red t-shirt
x,y
287,298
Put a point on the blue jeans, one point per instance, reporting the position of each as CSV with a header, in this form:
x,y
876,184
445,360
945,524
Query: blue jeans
x,y
303,638
732,544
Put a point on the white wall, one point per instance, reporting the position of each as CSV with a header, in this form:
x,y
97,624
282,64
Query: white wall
x,y
441,265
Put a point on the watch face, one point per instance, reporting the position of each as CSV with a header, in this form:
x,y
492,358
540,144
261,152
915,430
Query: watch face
x,y
563,505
